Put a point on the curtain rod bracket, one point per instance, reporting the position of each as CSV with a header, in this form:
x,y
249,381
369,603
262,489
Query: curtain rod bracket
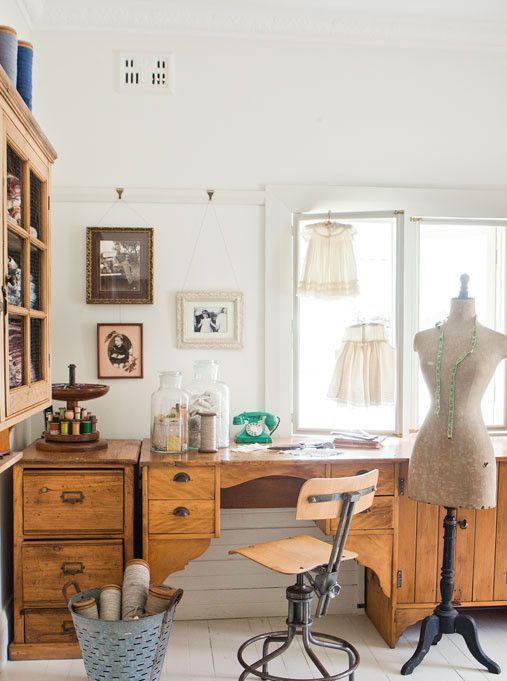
x,y
210,193
119,191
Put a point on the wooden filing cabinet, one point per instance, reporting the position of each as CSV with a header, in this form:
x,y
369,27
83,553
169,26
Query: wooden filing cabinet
x,y
73,519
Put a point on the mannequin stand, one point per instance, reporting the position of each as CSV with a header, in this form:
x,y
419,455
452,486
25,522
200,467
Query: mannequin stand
x,y
445,618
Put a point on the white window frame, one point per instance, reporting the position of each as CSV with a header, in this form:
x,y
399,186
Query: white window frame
x,y
297,219
285,201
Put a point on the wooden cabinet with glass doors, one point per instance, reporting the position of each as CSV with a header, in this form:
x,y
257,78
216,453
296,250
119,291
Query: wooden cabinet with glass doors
x,y
26,158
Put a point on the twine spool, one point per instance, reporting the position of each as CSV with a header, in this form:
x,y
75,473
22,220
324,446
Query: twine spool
x,y
87,607
9,51
161,598
136,583
24,75
110,603
208,432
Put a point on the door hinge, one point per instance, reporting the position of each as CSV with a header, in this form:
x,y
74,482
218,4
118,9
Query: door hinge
x,y
401,487
399,579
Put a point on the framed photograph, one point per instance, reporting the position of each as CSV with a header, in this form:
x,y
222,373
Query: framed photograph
x,y
209,319
120,350
119,265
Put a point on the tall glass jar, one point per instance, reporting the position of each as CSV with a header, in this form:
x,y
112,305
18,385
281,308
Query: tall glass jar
x,y
207,394
169,415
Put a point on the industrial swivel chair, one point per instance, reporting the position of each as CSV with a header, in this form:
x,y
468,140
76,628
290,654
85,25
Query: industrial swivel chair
x,y
316,564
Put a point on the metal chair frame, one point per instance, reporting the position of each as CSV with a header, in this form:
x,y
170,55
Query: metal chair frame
x,y
300,596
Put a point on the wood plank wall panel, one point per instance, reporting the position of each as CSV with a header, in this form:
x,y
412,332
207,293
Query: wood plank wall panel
x,y
426,553
484,555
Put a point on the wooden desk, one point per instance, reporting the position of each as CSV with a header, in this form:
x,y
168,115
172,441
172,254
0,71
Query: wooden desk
x,y
399,541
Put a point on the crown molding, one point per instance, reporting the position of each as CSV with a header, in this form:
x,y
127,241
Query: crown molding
x,y
338,22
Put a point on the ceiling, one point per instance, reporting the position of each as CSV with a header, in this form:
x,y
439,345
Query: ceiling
x,y
462,24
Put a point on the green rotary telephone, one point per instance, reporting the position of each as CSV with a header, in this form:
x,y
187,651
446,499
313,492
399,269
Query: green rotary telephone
x,y
259,426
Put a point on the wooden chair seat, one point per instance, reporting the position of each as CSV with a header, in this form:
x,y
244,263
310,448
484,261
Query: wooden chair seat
x,y
291,556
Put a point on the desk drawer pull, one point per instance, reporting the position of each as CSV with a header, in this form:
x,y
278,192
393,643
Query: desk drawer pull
x,y
68,627
182,477
181,511
73,568
72,497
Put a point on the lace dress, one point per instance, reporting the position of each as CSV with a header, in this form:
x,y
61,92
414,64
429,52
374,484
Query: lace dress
x,y
364,371
330,268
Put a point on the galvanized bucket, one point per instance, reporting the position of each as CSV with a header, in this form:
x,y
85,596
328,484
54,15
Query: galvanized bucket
x,y
126,650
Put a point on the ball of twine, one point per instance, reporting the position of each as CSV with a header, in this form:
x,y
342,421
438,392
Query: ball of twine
x,y
136,582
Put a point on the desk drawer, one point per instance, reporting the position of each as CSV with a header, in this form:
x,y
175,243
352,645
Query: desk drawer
x,y
185,517
385,478
72,502
47,566
381,516
49,625
194,482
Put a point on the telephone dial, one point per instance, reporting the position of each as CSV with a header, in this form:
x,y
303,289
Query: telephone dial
x,y
258,426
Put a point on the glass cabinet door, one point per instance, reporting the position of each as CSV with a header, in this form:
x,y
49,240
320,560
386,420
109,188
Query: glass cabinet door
x,y
25,286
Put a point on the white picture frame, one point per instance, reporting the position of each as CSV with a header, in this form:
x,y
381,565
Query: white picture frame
x,y
209,319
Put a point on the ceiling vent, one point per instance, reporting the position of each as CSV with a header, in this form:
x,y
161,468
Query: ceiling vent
x,y
146,72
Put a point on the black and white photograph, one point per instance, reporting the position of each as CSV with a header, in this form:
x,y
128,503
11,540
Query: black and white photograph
x,y
120,350
119,265
209,319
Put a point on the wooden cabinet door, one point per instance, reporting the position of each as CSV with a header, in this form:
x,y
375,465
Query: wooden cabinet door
x,y
500,588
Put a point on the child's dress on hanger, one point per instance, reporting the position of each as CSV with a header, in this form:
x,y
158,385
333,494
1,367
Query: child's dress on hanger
x,y
364,371
330,269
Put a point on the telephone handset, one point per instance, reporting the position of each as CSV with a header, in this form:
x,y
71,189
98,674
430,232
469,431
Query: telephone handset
x,y
258,426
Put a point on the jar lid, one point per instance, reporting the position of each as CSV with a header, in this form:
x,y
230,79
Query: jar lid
x,y
111,586
84,603
138,561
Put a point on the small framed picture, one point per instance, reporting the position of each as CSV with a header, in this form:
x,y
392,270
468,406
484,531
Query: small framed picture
x,y
119,265
209,319
120,350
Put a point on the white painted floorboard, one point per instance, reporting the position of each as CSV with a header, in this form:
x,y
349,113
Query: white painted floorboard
x,y
205,650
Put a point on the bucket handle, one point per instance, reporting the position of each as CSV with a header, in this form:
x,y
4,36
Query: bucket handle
x,y
67,586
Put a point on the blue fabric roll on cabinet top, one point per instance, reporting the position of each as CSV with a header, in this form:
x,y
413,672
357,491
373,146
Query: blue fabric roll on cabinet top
x,y
24,77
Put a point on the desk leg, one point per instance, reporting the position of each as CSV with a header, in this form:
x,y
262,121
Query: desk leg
x,y
171,555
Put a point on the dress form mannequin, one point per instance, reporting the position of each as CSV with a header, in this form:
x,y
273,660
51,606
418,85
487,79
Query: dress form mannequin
x,y
453,462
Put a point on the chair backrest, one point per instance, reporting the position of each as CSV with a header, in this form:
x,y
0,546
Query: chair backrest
x,y
317,487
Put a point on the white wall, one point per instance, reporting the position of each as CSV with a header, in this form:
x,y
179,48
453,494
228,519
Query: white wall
x,y
12,14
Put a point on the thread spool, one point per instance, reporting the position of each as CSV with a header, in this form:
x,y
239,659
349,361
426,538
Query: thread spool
x,y
161,598
86,427
208,432
9,51
75,427
69,414
136,583
64,427
87,607
54,428
93,421
62,413
110,602
24,74
77,413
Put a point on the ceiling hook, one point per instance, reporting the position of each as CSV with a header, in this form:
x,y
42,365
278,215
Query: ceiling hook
x,y
119,191
210,193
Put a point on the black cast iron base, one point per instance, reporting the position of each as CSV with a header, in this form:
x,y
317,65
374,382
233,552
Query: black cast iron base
x,y
445,618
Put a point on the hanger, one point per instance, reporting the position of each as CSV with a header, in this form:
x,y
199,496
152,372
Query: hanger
x,y
328,221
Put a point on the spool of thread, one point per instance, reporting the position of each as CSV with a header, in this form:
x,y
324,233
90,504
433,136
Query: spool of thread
x,y
86,427
9,51
84,413
64,427
75,427
136,583
110,602
77,413
62,413
69,414
54,428
161,598
93,421
208,432
24,75
87,607
50,418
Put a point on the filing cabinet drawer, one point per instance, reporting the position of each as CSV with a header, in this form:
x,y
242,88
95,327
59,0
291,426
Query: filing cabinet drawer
x,y
70,502
49,625
182,517
385,478
194,482
380,517
47,566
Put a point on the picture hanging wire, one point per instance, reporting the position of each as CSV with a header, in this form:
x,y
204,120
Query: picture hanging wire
x,y
119,192
210,204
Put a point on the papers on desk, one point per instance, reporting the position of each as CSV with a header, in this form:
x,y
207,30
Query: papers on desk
x,y
248,448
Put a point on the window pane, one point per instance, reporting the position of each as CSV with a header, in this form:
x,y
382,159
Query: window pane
x,y
14,186
35,277
15,268
16,348
322,324
35,206
447,252
35,349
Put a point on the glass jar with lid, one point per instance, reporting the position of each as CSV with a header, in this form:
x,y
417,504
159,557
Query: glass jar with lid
x,y
169,415
207,394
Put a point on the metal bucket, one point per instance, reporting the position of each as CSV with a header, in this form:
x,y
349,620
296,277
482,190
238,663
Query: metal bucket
x,y
126,650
